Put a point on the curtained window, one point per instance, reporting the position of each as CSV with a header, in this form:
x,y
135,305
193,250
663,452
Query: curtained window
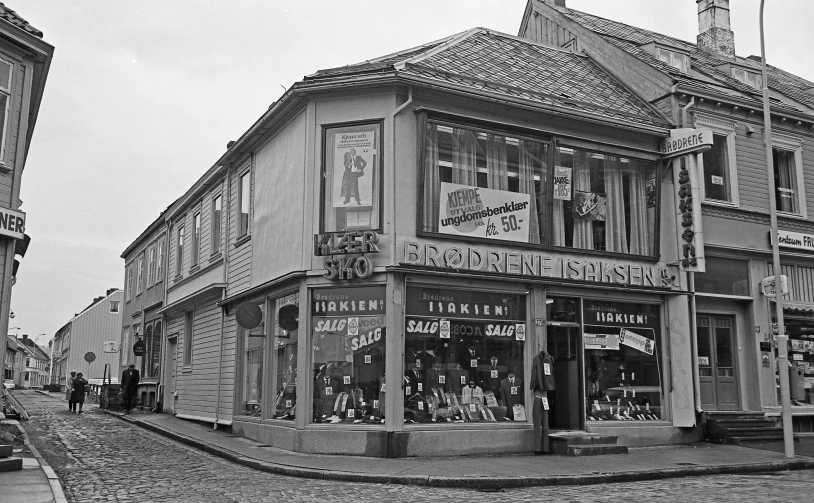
x,y
785,181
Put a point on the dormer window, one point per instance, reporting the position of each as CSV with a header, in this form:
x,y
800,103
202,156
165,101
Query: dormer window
x,y
677,60
752,79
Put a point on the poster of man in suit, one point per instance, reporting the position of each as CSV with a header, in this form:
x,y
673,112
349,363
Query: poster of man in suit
x,y
353,168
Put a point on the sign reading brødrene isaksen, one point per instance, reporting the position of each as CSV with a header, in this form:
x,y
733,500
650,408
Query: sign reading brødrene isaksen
x,y
484,213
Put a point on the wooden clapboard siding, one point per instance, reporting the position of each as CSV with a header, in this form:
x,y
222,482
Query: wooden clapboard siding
x,y
228,370
89,331
546,31
752,174
239,273
197,385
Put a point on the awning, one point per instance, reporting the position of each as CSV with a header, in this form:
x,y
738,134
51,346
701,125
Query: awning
x,y
797,306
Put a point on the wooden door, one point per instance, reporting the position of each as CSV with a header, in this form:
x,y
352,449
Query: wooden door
x,y
716,362
169,375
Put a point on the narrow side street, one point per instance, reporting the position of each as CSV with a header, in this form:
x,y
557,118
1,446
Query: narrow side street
x,y
101,458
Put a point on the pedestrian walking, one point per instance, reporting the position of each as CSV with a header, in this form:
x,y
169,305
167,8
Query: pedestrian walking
x,y
79,389
129,383
69,390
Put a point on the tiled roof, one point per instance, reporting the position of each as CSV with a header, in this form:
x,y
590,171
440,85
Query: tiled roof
x,y
630,38
15,19
486,61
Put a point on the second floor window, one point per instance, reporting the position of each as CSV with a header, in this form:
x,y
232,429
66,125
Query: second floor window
x,y
159,268
716,170
5,103
787,194
216,221
130,282
140,275
196,238
244,198
179,251
151,266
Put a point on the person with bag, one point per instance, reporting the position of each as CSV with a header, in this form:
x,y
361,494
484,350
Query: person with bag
x,y
129,386
79,389
69,390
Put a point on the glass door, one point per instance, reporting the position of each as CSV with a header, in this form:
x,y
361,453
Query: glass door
x,y
563,344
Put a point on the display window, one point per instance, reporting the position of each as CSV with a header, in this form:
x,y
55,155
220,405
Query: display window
x,y
285,339
799,327
464,359
623,368
348,336
254,351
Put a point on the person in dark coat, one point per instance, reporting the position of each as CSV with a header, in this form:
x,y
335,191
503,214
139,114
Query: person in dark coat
x,y
78,393
129,386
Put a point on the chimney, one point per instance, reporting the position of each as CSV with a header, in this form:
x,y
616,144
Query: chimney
x,y
714,35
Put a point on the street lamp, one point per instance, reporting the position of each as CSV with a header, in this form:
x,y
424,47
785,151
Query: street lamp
x,y
782,348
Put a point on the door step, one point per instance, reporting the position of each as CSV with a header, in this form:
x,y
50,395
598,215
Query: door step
x,y
581,443
7,463
734,427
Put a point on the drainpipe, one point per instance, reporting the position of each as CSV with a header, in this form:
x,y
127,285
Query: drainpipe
x,y
696,380
393,157
225,249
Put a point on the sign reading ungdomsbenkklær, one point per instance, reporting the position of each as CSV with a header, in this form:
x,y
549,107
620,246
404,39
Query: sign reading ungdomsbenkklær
x,y
479,212
687,141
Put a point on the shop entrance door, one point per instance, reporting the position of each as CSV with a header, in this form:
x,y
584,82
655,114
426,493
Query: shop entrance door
x,y
564,345
169,380
716,362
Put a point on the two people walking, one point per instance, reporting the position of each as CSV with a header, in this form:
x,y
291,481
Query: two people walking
x,y
75,388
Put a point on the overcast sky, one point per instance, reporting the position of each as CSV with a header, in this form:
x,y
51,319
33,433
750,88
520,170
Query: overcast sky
x,y
143,96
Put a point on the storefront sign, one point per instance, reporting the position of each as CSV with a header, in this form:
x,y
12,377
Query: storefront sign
x,y
348,301
636,341
343,243
462,304
533,264
12,223
688,215
484,213
686,141
601,341
796,240
347,268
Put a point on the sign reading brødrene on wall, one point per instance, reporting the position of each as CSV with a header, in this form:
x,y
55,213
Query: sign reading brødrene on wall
x,y
484,213
686,141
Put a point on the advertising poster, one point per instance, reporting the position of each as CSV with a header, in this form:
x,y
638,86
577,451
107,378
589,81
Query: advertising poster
x,y
589,206
484,213
636,341
562,183
353,167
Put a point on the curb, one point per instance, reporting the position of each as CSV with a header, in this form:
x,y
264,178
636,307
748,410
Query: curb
x,y
53,479
470,482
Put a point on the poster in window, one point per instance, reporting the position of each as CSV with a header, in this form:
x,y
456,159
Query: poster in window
x,y
353,159
484,213
562,183
589,205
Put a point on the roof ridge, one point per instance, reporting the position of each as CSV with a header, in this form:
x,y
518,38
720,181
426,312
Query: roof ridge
x,y
445,44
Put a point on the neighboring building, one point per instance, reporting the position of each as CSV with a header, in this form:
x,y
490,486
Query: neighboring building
x,y
61,345
91,331
33,364
706,85
443,215
144,292
25,59
13,361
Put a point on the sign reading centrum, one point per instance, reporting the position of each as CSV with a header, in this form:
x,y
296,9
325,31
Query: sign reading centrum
x,y
686,141
797,240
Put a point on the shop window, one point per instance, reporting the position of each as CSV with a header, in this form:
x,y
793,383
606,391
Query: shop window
x,y
724,277
612,204
351,177
464,356
622,361
254,352
349,331
285,333
470,176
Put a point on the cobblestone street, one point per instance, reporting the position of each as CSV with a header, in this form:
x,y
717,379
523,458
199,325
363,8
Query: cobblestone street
x,y
101,458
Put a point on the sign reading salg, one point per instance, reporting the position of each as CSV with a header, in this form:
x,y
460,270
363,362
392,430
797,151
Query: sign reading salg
x,y
484,213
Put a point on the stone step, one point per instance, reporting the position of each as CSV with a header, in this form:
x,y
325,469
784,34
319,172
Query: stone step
x,y
596,449
11,464
746,431
561,442
5,451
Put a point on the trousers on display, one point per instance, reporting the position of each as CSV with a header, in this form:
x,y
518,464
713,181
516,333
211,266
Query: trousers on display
x,y
540,418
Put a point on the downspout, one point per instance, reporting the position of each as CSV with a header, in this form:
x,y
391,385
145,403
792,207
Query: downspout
x,y
393,157
225,248
696,380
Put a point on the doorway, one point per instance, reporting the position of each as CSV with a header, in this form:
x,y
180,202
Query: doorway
x,y
716,362
564,345
169,378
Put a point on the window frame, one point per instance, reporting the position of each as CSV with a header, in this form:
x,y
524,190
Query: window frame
x,y
151,253
160,260
189,329
793,144
179,250
720,127
7,93
140,274
115,306
129,281
685,65
241,197
216,224
195,245
378,205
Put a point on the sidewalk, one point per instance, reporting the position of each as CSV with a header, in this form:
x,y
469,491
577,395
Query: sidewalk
x,y
484,472
35,483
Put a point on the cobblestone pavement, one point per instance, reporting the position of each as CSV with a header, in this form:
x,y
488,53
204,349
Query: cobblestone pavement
x,y
101,458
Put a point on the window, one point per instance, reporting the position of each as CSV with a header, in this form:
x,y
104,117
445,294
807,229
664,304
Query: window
x,y
152,349
724,277
351,177
188,328
5,103
285,333
129,275
675,59
196,238
466,364
179,251
254,352
140,275
752,79
151,266
216,224
125,350
788,176
244,199
717,165
114,306
160,262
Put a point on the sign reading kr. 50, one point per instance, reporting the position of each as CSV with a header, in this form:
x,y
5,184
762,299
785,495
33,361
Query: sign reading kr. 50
x,y
346,243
